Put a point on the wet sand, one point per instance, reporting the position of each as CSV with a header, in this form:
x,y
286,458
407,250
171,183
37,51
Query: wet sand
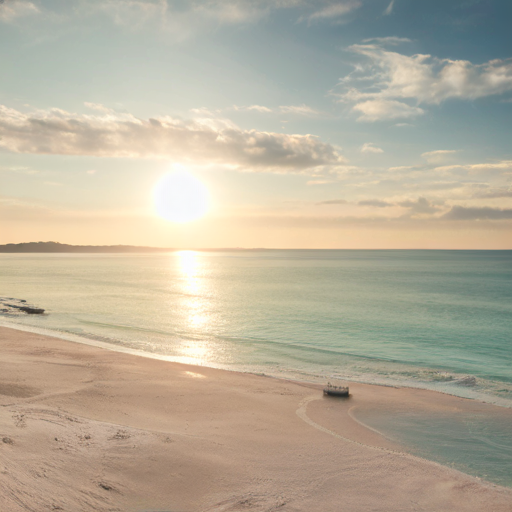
x,y
88,429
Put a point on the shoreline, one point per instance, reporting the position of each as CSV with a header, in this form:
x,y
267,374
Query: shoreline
x,y
82,420
76,338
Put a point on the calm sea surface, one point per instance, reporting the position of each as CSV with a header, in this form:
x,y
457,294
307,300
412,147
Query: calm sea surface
x,y
433,319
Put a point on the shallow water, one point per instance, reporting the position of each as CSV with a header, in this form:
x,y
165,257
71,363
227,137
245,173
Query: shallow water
x,y
472,443
426,319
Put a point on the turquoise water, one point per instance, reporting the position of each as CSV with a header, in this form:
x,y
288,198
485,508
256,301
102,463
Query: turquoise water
x,y
472,443
433,319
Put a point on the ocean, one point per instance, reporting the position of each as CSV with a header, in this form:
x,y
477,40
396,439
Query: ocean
x,y
439,320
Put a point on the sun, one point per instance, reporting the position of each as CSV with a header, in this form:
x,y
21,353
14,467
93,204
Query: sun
x,y
180,197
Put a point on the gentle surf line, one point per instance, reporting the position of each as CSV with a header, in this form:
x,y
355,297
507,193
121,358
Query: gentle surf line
x,y
302,414
118,347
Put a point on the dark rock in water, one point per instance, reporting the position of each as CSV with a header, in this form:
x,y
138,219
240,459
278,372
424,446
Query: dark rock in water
x,y
468,382
27,309
32,311
20,305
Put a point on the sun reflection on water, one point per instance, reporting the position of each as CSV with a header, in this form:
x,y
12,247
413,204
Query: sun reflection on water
x,y
190,268
195,375
195,303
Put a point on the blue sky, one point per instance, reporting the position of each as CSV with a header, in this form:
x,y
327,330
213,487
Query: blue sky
x,y
355,123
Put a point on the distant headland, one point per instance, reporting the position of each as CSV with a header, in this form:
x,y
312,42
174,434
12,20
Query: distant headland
x,y
56,247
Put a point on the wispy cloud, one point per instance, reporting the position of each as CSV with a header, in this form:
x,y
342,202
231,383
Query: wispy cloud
x,y
178,18
377,109
498,167
301,110
474,213
133,13
18,169
319,182
10,10
390,40
384,87
259,108
333,11
98,107
389,8
172,13
438,156
253,108
204,111
375,203
369,147
333,201
124,135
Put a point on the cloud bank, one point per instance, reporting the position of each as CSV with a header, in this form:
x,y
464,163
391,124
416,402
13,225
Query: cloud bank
x,y
472,213
384,86
204,141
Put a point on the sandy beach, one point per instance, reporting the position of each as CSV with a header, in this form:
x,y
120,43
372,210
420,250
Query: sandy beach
x,y
87,429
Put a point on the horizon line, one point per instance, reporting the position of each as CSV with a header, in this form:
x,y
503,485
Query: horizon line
x,y
31,247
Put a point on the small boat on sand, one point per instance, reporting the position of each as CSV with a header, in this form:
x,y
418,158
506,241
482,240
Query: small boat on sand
x,y
332,390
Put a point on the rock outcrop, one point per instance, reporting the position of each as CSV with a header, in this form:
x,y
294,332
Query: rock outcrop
x,y
12,306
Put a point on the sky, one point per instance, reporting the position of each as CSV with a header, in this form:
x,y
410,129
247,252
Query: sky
x,y
310,123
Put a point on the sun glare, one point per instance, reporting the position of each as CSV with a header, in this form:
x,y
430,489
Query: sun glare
x,y
180,197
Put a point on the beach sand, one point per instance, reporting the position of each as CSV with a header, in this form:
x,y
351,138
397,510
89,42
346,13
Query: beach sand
x,y
88,429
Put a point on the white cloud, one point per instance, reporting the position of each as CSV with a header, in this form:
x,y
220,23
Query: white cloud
x,y
391,79
301,110
369,147
389,8
391,40
499,167
439,156
98,107
205,112
256,108
401,168
375,110
12,9
333,11
204,141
